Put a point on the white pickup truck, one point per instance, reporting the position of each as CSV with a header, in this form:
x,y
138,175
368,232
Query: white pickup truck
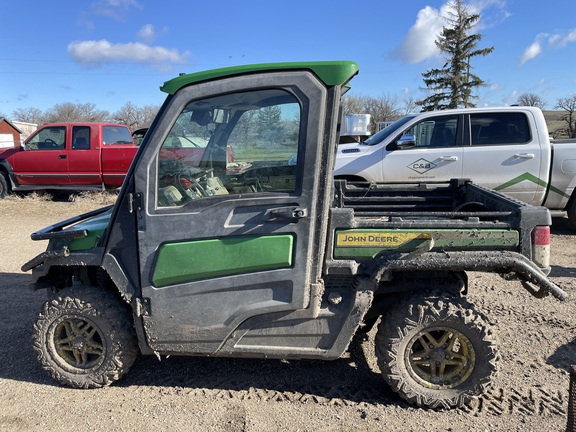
x,y
507,149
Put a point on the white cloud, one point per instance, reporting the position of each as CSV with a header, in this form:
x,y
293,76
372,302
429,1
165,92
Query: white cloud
x,y
95,53
419,43
147,33
113,8
545,40
559,40
531,52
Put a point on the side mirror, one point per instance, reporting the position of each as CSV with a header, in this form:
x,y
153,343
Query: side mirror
x,y
406,141
202,117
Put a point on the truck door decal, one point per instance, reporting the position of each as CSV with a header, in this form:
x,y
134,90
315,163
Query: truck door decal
x,y
530,178
421,166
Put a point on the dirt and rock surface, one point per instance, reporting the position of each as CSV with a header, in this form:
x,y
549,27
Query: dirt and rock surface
x,y
537,346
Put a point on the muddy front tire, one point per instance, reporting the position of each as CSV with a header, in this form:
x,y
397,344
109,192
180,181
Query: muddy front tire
x,y
435,351
4,191
84,337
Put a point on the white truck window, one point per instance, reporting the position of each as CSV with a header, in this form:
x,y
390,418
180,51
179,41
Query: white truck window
x,y
435,132
499,128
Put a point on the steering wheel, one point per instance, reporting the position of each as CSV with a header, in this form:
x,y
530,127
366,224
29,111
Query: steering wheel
x,y
52,143
187,183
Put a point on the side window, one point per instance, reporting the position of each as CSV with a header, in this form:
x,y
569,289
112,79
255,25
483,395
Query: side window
x,y
499,128
81,138
116,135
240,143
435,132
53,138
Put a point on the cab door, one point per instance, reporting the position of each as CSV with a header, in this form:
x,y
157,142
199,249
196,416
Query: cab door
x,y
45,158
434,154
84,156
229,236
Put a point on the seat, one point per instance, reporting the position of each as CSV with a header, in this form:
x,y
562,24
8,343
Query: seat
x,y
442,137
81,144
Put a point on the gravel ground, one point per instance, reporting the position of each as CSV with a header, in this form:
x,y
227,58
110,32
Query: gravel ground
x,y
537,345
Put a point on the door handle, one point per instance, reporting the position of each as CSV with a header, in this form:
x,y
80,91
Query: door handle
x,y
448,158
524,156
286,213
62,156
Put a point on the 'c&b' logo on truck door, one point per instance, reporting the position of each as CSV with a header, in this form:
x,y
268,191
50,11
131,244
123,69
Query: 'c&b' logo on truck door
x,y
421,166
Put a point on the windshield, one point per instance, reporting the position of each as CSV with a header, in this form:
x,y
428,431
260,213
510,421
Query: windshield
x,y
388,130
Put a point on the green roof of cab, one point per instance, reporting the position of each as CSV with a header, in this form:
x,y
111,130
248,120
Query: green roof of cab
x,y
330,72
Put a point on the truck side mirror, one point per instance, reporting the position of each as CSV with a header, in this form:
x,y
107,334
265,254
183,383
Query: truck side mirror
x,y
406,141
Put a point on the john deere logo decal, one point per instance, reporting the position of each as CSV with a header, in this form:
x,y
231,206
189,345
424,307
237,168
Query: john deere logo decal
x,y
421,166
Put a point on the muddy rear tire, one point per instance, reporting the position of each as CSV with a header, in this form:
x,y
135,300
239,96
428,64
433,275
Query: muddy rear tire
x,y
84,337
436,351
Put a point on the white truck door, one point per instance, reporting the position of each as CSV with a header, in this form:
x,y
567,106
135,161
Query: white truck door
x,y
436,152
504,155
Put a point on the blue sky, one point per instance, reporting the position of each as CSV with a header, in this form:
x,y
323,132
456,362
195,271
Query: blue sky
x,y
109,52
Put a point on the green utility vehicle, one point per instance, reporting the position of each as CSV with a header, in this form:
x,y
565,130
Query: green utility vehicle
x,y
230,237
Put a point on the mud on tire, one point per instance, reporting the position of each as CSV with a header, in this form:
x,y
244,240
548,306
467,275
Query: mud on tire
x,y
84,337
436,351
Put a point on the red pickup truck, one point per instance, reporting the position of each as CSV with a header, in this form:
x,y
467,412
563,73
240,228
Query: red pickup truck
x,y
68,156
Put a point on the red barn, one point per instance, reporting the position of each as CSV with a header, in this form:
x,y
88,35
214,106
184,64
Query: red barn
x,y
9,134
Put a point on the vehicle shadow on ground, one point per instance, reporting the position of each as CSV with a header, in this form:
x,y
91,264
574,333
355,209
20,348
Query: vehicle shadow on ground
x,y
560,225
564,356
348,380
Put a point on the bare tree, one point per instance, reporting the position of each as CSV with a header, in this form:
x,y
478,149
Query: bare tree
x,y
383,108
409,105
28,115
568,105
70,112
135,117
353,105
531,99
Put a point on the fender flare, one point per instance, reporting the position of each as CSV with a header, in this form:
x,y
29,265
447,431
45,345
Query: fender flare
x,y
6,167
502,262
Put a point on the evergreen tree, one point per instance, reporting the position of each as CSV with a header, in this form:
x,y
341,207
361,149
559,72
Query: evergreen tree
x,y
452,85
269,124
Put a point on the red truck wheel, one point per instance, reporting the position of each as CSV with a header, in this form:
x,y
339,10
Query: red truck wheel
x,y
84,337
435,351
3,186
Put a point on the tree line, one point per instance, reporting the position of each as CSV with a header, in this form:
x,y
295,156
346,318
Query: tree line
x,y
129,114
